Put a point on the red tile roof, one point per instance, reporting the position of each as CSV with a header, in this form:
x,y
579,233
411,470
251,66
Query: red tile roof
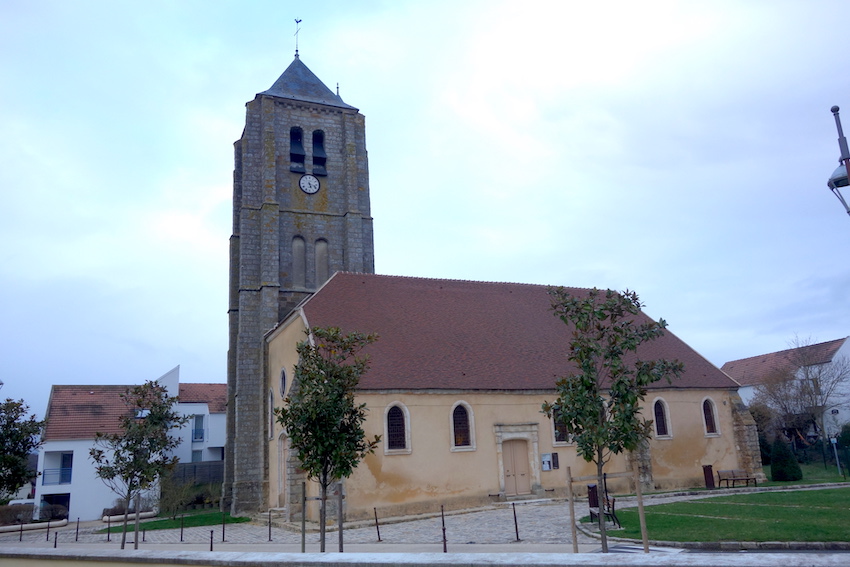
x,y
449,334
78,412
755,369
215,395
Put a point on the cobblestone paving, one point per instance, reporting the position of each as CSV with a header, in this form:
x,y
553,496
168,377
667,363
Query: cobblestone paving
x,y
539,522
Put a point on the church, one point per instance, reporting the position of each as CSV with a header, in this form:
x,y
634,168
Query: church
x,y
461,368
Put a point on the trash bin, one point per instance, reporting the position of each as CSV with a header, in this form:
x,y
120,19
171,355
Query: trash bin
x,y
708,473
592,496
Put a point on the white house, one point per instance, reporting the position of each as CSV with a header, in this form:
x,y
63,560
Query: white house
x,y
76,413
755,370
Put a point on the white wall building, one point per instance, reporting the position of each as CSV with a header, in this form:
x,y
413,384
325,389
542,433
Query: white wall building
x,y
76,413
755,370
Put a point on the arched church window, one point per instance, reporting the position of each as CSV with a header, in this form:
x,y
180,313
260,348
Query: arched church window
x,y
271,414
561,435
660,411
320,158
322,263
396,429
709,417
299,262
460,427
296,150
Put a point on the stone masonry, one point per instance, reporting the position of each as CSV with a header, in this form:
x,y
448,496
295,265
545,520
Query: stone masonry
x,y
270,212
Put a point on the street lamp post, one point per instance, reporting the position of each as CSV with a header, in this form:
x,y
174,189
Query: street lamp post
x,y
841,176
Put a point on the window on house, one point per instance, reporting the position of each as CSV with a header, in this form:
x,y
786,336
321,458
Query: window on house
x,y
561,435
198,428
322,266
396,429
197,456
320,158
282,382
299,262
296,150
460,427
660,410
58,467
708,414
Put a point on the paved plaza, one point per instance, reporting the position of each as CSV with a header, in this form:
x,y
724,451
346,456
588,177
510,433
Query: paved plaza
x,y
543,527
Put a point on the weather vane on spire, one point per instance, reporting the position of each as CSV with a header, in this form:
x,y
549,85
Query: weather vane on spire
x,y
297,29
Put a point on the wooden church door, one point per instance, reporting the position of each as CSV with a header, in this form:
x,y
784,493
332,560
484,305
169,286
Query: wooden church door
x,y
515,460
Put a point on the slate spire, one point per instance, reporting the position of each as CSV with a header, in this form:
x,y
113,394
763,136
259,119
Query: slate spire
x,y
299,83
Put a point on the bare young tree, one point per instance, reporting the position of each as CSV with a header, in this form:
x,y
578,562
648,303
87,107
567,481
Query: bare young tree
x,y
807,386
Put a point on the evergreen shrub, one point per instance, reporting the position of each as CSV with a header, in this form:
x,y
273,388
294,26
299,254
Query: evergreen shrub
x,y
783,464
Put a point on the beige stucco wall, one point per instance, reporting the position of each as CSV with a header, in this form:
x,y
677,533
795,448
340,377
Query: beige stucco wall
x,y
432,473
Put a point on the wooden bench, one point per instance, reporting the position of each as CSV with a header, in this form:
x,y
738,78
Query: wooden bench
x,y
734,476
608,506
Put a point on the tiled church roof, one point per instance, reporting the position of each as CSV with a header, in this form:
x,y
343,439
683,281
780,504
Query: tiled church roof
x,y
449,334
755,369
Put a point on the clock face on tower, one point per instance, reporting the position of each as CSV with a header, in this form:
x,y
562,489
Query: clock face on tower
x,y
309,184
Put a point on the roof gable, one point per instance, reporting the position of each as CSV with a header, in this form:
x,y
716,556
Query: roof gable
x,y
754,370
450,334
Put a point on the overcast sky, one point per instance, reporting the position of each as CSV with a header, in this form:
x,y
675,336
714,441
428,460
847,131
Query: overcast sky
x,y
679,149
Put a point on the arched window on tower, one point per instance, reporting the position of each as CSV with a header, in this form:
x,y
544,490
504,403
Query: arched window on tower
x,y
322,262
297,154
299,262
320,158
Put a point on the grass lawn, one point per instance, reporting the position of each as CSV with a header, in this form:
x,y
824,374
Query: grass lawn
x,y
809,515
814,473
191,519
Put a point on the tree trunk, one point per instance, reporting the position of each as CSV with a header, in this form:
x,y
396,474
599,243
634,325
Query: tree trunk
x,y
600,491
136,527
323,515
126,515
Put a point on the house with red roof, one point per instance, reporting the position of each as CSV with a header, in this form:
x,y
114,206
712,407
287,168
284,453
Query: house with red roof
x,y
802,361
76,413
455,388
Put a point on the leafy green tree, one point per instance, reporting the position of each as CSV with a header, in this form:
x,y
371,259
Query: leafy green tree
x,y
132,461
19,436
599,401
783,463
320,415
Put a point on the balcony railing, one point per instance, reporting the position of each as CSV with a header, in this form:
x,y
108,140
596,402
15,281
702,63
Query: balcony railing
x,y
56,476
197,435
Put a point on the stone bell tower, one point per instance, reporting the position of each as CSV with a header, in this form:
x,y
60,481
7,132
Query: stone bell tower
x,y
300,213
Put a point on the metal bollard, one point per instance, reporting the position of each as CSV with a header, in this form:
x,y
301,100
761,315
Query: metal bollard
x,y
377,526
443,516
